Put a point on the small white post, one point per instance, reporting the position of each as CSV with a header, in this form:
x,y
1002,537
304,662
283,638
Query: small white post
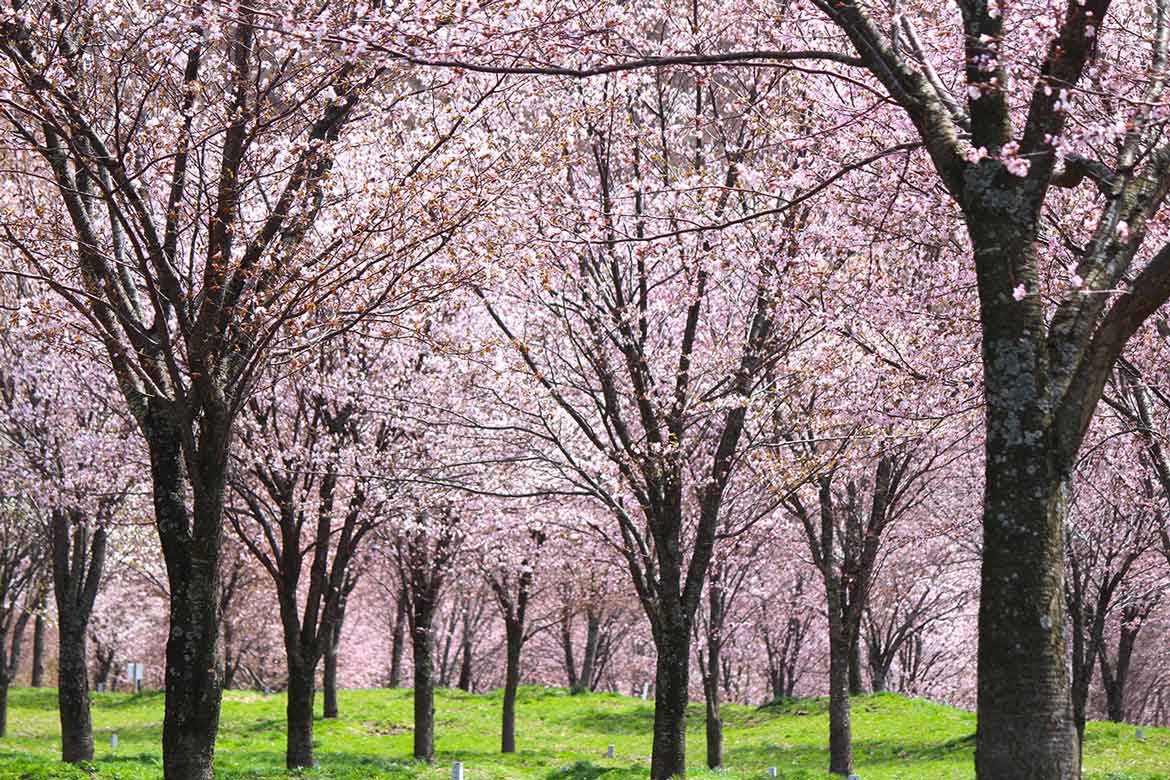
x,y
114,742
1141,734
457,771
771,771
609,752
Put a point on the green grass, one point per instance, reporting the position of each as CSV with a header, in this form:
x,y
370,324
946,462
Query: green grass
x,y
560,738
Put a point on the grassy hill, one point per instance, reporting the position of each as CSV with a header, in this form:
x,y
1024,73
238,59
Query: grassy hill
x,y
560,738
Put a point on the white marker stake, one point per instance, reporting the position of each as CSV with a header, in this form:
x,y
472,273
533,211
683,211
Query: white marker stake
x,y
457,771
1141,733
113,742
609,752
771,771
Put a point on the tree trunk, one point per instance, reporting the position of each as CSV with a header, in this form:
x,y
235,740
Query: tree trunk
x,y
878,675
840,716
398,645
515,641
424,691
465,659
73,696
330,709
191,545
856,684
1114,680
589,661
299,711
38,649
670,702
1026,727
3,705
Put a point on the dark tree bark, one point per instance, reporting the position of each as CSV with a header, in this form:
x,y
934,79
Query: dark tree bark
x,y
191,548
598,638
332,646
1115,673
711,666
513,593
514,644
888,629
38,649
783,652
329,708
302,685
283,535
856,683
423,560
78,559
844,541
1043,371
21,569
398,641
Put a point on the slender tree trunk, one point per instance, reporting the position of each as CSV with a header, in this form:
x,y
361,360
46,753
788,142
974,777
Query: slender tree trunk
x,y
398,643
73,695
299,711
1026,727
38,648
330,709
715,603
515,642
191,545
671,683
589,661
3,705
424,690
856,684
465,659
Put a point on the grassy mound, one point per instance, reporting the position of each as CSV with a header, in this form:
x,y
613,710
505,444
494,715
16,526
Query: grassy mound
x,y
560,737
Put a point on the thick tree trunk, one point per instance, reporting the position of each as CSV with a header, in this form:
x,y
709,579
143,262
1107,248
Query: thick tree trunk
x,y
73,696
671,682
515,641
38,649
330,709
424,691
398,643
1026,727
840,715
299,711
191,546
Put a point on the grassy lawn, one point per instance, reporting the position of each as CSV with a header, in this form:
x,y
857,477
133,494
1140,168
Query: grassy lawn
x,y
559,738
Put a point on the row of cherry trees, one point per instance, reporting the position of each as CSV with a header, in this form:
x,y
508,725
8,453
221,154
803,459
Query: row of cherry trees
x,y
738,301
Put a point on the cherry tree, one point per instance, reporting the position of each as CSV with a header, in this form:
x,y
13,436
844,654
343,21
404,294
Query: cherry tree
x,y
193,192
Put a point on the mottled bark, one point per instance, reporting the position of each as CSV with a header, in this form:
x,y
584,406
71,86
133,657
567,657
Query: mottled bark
x,y
671,681
191,546
299,715
78,560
